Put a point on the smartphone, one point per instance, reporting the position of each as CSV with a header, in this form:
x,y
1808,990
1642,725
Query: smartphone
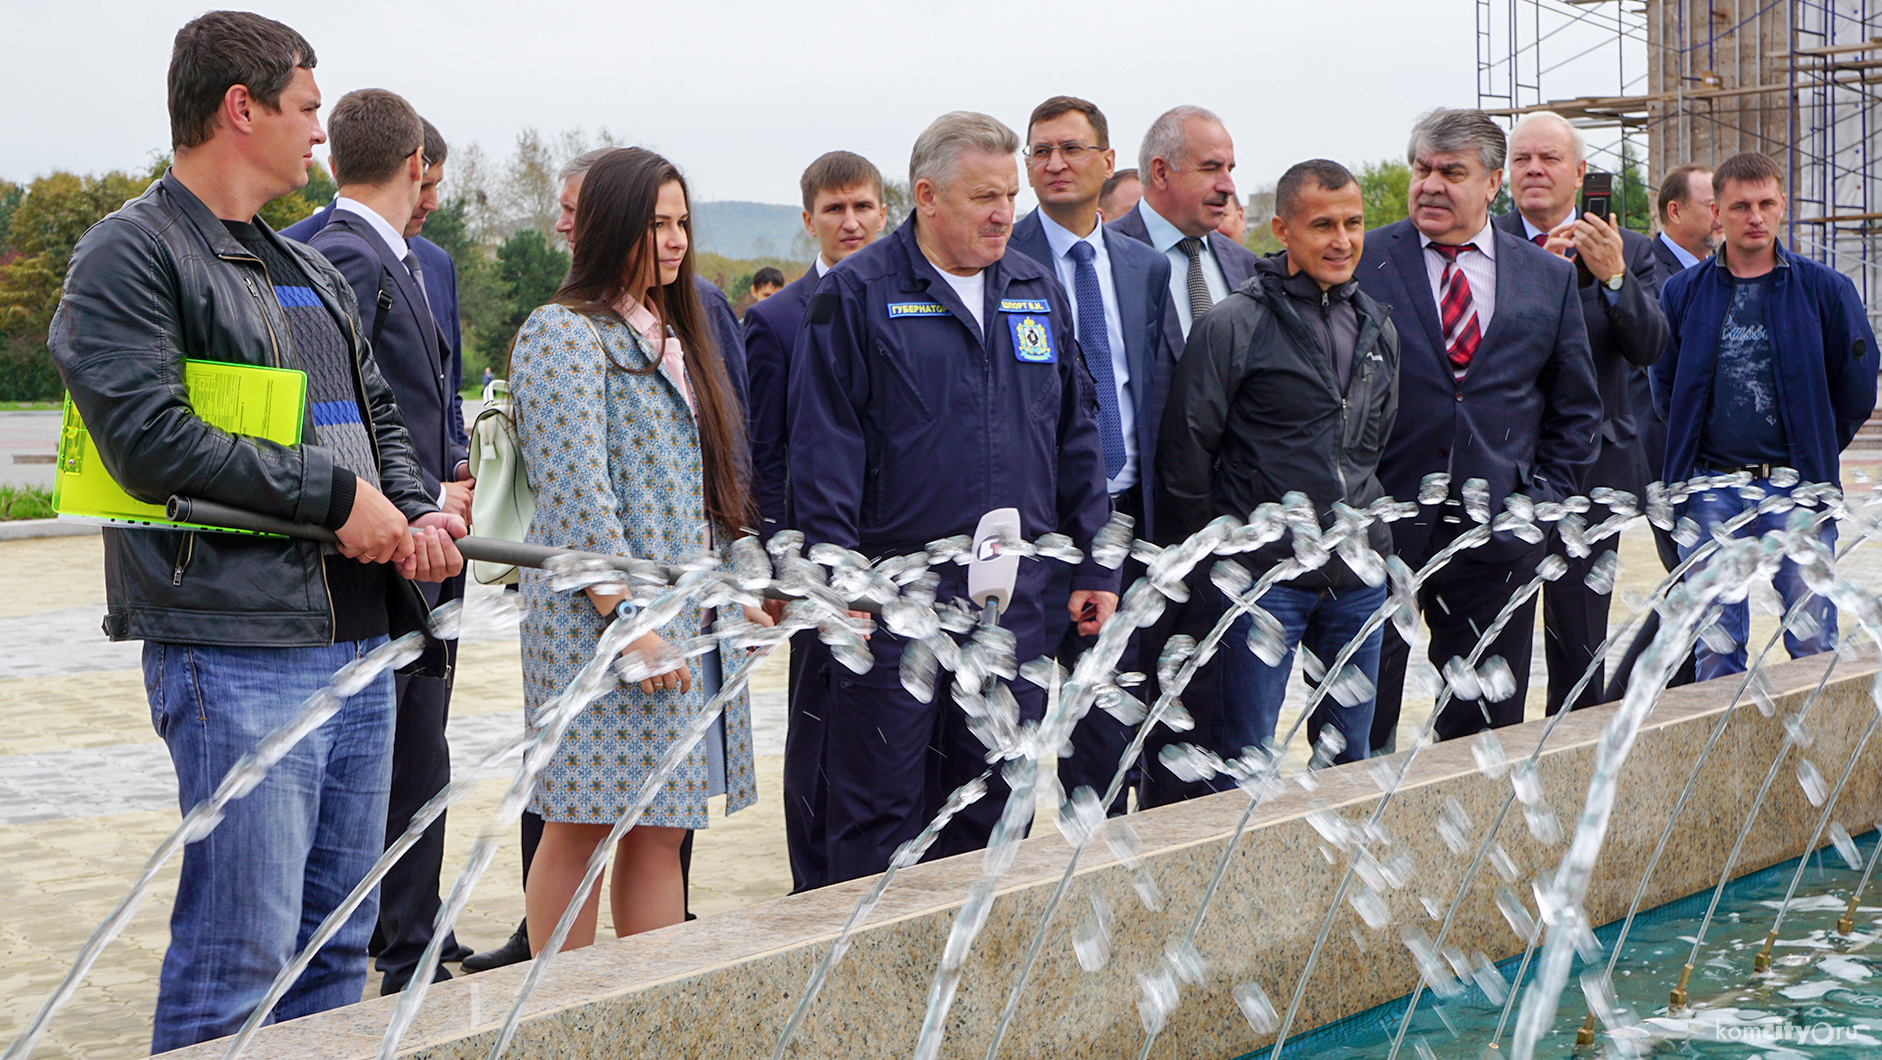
x,y
1597,194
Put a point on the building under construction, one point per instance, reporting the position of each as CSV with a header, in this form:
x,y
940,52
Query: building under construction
x,y
1675,81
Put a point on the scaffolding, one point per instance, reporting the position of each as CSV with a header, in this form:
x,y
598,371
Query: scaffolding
x,y
1674,81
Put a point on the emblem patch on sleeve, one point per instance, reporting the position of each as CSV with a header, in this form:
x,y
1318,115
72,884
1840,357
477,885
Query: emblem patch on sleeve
x,y
1032,338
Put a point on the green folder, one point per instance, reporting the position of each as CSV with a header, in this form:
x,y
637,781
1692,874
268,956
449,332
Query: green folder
x,y
242,399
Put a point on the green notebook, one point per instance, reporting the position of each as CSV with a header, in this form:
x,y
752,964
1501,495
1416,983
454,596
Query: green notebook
x,y
266,403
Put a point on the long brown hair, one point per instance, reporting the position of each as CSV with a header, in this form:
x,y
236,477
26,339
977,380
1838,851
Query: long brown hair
x,y
613,252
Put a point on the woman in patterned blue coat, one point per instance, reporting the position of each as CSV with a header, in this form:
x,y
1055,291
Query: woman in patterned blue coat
x,y
631,434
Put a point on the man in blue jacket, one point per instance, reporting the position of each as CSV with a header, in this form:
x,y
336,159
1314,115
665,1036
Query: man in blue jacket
x,y
935,379
843,212
1772,365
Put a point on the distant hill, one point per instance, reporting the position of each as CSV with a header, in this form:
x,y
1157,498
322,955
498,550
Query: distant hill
x,y
747,229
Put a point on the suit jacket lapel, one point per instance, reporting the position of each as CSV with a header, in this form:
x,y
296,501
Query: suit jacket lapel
x,y
1506,252
1408,257
1133,315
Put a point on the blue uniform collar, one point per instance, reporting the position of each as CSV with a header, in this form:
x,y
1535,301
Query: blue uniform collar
x,y
919,274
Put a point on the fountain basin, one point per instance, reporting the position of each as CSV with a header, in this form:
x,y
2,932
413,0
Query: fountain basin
x,y
727,984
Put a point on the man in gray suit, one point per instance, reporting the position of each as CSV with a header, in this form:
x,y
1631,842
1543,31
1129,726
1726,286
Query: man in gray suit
x,y
1619,288
1186,163
1495,383
1118,294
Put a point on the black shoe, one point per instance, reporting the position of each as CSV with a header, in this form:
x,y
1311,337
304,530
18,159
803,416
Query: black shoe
x,y
397,981
455,952
515,950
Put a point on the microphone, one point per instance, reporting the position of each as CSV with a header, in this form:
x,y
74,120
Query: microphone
x,y
992,571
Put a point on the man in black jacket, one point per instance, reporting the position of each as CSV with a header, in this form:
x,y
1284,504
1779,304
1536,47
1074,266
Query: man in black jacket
x,y
1619,289
1290,385
239,631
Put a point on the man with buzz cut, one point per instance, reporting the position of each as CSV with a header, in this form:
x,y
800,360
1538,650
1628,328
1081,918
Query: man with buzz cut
x,y
376,146
843,212
239,631
1117,286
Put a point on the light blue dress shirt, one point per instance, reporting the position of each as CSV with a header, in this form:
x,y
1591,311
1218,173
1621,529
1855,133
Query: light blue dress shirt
x,y
1686,260
1060,240
1164,236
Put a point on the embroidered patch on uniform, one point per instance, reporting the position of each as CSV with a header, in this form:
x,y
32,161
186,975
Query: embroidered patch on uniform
x,y
917,309
1032,339
1024,305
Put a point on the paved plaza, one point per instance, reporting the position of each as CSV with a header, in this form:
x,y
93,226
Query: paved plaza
x,y
87,793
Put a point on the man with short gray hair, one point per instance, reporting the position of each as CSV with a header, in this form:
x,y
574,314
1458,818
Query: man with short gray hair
x,y
936,377
1186,165
1495,383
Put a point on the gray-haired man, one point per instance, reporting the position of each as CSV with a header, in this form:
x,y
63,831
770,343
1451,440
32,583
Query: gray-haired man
x,y
936,378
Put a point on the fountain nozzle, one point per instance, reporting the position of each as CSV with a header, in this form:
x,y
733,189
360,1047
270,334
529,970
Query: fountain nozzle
x,y
1677,1002
1585,1036
1762,962
1848,923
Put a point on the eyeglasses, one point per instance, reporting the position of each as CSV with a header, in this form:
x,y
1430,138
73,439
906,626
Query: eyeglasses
x,y
1070,150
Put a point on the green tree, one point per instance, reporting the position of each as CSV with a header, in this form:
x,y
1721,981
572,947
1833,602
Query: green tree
x,y
495,298
10,197
1383,187
42,228
289,208
1633,200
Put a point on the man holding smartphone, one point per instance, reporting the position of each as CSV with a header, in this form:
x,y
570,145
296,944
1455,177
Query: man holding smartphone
x,y
1620,304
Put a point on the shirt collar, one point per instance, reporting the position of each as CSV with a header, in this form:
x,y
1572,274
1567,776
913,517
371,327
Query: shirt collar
x,y
1783,259
1484,240
1532,231
394,239
1163,235
1061,239
1686,258
817,263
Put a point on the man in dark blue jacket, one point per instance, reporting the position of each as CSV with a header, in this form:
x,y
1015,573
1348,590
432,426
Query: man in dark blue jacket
x,y
935,379
1772,365
1118,288
843,212
363,235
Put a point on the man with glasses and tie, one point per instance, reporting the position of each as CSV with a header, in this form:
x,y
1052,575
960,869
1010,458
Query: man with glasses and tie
x,y
376,148
1495,383
1118,294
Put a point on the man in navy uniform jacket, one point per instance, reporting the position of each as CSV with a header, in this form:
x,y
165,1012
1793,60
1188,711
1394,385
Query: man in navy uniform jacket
x,y
936,379
1495,383
843,212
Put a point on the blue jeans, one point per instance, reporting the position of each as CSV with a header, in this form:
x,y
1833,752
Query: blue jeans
x,y
1252,690
286,854
1716,506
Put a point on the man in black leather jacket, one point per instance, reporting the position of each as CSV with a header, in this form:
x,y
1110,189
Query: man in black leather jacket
x,y
240,630
1289,386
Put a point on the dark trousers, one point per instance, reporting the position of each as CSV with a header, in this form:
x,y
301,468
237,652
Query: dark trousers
x,y
1574,623
421,768
804,796
1458,604
1098,740
890,760
1201,698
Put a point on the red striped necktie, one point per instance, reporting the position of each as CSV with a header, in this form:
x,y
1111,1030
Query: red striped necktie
x,y
1456,310
1540,239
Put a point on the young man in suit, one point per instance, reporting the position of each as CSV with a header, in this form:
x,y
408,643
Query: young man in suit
x,y
1117,286
1495,383
441,288
1618,283
1186,164
376,148
843,212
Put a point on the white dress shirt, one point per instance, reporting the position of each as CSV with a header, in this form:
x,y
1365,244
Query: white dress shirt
x,y
821,267
1061,240
393,237
1479,269
1164,236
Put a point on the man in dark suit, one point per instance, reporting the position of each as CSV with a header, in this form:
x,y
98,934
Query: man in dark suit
x,y
380,164
1620,304
1496,383
1119,288
843,212
1186,164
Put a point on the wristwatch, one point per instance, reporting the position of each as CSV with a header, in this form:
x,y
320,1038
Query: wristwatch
x,y
1614,284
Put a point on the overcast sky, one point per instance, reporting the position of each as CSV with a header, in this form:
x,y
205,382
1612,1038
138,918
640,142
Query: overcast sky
x,y
744,94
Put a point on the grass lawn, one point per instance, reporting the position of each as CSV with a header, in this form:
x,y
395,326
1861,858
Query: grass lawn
x,y
25,502
31,406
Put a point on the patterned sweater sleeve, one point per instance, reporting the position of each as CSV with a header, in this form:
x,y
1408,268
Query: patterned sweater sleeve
x,y
559,381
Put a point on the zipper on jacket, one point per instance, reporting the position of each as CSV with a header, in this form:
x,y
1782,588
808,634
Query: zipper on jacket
x,y
184,553
274,344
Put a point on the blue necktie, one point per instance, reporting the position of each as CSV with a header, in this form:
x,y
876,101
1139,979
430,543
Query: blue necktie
x,y
1095,340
